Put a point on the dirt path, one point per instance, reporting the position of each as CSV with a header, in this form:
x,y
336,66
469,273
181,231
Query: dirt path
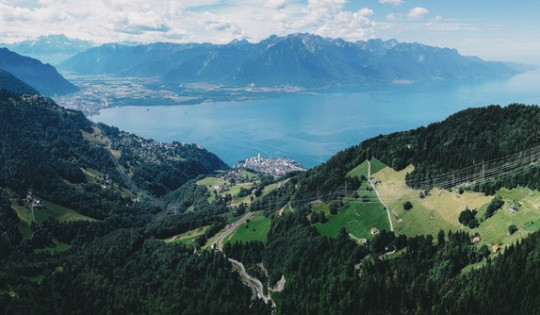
x,y
372,184
280,285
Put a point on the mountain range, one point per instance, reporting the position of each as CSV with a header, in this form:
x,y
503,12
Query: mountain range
x,y
42,77
50,49
298,59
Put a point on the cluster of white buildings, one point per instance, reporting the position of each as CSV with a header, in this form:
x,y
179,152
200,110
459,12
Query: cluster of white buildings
x,y
272,166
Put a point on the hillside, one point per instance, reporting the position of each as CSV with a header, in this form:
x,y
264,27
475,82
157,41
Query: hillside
x,y
303,60
42,77
11,83
93,220
61,156
461,149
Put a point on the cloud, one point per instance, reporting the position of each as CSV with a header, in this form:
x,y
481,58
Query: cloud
x,y
418,13
276,4
328,18
392,2
213,21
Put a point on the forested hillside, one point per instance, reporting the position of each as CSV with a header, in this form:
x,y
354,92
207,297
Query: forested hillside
x,y
96,220
57,155
465,146
390,275
11,83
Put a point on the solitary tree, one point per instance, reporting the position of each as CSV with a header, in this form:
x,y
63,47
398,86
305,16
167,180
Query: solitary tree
x,y
407,205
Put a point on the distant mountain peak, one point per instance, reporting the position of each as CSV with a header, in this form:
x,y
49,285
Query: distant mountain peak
x,y
51,48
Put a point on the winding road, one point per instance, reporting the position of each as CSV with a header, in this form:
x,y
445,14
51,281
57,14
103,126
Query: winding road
x,y
218,243
254,283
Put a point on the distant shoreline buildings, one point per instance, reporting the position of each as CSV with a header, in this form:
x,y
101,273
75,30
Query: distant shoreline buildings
x,y
272,166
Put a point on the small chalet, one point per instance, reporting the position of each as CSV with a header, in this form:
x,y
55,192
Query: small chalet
x,y
513,208
374,231
476,239
495,248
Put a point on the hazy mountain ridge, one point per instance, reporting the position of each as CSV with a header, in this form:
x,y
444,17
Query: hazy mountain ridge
x,y
51,49
298,59
11,83
42,77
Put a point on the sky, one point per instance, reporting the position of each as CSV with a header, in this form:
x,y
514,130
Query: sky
x,y
492,29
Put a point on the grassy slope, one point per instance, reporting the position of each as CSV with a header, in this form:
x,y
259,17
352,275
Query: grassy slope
x,y
357,217
362,168
225,188
51,210
527,219
255,230
210,182
57,248
441,209
187,237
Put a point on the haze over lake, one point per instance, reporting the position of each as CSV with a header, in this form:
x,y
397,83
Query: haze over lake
x,y
312,127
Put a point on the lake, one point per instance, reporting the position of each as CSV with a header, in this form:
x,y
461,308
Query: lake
x,y
310,128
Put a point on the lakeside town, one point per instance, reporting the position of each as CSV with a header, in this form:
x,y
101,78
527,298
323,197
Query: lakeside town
x,y
271,166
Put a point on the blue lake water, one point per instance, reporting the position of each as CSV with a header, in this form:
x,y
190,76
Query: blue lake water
x,y
310,128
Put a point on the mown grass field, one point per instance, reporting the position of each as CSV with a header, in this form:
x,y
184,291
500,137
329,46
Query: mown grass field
x,y
211,183
357,217
494,230
95,177
92,176
362,168
187,237
51,210
255,230
440,209
57,248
